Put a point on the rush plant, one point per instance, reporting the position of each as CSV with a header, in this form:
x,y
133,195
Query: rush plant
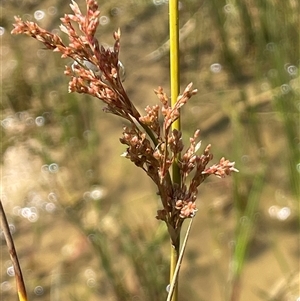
x,y
152,142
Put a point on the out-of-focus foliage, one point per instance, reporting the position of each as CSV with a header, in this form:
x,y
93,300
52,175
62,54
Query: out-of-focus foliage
x,y
84,219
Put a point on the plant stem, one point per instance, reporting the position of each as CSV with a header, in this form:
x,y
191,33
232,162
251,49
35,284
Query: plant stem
x,y
174,78
179,261
13,255
174,55
173,261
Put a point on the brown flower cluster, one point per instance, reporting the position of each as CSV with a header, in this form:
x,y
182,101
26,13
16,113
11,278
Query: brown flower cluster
x,y
151,146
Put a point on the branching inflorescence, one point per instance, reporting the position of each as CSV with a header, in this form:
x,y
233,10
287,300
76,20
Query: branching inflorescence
x,y
151,146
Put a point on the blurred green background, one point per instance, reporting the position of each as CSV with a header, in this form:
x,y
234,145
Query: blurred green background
x,y
83,218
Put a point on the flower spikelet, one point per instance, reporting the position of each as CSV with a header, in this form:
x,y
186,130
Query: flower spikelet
x,y
171,114
50,40
151,119
150,142
96,70
222,169
140,151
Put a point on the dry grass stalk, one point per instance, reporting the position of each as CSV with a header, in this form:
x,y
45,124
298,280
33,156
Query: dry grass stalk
x,y
13,255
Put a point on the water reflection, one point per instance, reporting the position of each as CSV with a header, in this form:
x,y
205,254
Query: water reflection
x,y
5,286
229,8
284,213
216,68
281,214
45,168
39,290
39,15
168,287
10,271
53,168
12,228
271,46
33,217
30,213
91,282
53,95
285,89
265,86
104,20
272,73
19,119
7,122
40,121
292,70
91,277
52,197
41,53
50,207
27,17
115,11
87,196
96,193
29,121
52,10
158,2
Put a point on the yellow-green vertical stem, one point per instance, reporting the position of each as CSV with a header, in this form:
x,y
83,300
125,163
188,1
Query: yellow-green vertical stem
x,y
174,78
174,70
173,261
174,55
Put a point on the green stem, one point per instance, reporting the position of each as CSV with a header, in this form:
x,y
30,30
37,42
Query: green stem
x,y
174,55
173,262
179,257
174,78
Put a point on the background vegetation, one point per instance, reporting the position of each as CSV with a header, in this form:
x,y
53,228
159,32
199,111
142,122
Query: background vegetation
x,y
84,219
